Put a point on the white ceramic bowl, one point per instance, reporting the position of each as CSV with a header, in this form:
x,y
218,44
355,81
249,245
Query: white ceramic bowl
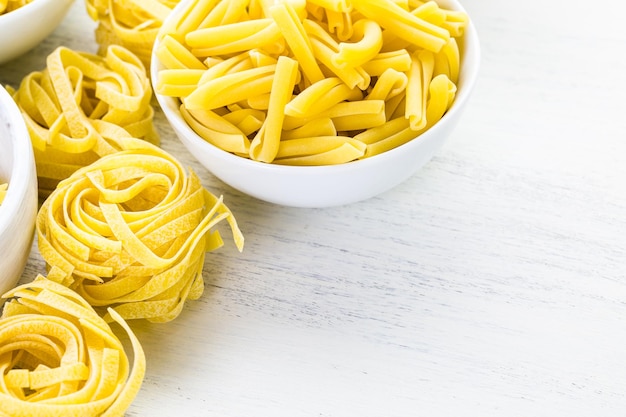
x,y
24,28
19,208
325,186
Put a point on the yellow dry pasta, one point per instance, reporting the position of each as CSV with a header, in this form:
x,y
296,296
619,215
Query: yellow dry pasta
x,y
399,60
217,130
233,38
451,20
389,84
357,120
322,126
173,55
403,24
316,11
231,88
265,144
371,70
389,142
291,27
368,39
441,93
191,17
325,48
315,145
179,82
130,231
59,357
340,23
218,67
333,5
225,13
133,24
452,59
420,74
319,97
79,104
346,152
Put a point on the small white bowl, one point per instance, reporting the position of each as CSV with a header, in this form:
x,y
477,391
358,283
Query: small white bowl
x,y
24,28
326,186
19,208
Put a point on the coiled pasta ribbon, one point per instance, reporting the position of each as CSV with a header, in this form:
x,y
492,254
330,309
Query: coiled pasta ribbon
x,y
130,231
344,79
59,357
76,106
131,23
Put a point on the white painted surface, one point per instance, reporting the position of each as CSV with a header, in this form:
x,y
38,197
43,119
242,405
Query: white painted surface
x,y
491,283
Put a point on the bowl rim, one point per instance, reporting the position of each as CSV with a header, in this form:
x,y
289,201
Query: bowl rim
x,y
467,81
22,174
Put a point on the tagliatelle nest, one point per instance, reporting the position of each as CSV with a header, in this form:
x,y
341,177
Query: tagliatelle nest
x,y
58,357
131,23
78,104
130,231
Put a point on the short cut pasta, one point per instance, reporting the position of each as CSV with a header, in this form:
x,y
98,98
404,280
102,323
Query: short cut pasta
x,y
371,74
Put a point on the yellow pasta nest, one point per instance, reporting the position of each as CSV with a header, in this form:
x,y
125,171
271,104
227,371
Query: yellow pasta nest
x,y
7,6
310,82
58,357
130,231
131,23
76,107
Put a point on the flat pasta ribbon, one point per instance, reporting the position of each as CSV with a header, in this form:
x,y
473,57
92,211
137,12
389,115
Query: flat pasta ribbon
x,y
130,23
370,70
59,357
131,230
79,104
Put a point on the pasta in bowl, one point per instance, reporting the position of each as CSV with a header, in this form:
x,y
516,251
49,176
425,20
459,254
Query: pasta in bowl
x,y
314,103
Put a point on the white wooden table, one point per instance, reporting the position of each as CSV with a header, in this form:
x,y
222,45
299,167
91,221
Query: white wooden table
x,y
491,283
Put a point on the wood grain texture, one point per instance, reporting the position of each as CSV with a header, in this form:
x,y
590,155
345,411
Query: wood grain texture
x,y
491,283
